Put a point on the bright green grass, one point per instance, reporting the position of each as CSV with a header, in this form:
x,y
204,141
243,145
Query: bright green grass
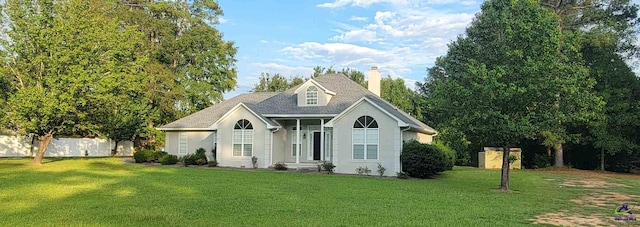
x,y
108,192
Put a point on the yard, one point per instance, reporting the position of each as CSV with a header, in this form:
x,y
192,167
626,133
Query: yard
x,y
109,192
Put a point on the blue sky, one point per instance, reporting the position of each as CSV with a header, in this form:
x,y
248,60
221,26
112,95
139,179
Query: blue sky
x,y
401,37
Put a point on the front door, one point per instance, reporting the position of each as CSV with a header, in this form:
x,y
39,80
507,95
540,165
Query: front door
x,y
316,145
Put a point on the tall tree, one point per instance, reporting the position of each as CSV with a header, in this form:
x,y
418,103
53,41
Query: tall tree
x,y
616,131
610,23
54,53
497,83
190,65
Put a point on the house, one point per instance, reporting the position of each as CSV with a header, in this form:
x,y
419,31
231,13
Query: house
x,y
327,118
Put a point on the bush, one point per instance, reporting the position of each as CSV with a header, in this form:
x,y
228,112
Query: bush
x,y
381,170
328,166
448,152
199,158
402,175
157,155
143,156
280,166
423,160
213,163
541,161
168,159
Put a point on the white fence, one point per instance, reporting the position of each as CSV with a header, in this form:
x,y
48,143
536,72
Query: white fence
x,y
20,146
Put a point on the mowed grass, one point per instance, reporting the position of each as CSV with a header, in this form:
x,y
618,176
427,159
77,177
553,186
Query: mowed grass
x,y
109,192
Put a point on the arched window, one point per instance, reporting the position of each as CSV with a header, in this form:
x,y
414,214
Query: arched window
x,y
243,138
312,95
365,138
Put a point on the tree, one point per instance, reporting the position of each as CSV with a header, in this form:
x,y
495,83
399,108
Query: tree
x,y
497,83
611,23
54,53
275,83
616,131
190,65
396,92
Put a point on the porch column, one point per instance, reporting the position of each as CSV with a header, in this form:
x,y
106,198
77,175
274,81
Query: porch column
x,y
298,147
321,139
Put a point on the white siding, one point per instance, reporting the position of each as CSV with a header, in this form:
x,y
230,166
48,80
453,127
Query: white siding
x,y
388,149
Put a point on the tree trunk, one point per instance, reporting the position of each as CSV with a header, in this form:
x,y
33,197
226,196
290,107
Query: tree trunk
x,y
602,159
115,148
559,153
504,181
549,151
44,142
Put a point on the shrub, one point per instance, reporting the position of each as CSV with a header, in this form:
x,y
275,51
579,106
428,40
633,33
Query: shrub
x,y
213,163
189,159
143,156
423,160
254,162
448,152
157,155
402,175
381,169
199,158
361,170
541,161
280,166
168,159
328,166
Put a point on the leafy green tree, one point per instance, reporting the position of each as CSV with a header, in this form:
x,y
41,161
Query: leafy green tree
x,y
497,83
611,23
275,83
616,131
189,64
396,92
54,54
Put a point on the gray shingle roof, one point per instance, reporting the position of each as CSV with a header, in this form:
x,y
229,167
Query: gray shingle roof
x,y
265,103
206,117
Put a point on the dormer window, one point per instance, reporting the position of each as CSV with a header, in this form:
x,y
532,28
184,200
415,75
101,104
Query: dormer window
x,y
312,95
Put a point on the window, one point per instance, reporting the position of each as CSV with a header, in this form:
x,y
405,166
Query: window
x,y
365,138
243,138
312,95
294,148
182,142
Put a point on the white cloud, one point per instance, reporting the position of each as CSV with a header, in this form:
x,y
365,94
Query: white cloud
x,y
222,20
395,62
357,36
360,3
283,70
402,39
356,18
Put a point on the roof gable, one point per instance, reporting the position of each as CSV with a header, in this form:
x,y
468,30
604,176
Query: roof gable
x,y
310,82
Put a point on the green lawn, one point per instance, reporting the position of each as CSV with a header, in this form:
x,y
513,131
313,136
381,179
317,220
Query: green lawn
x,y
109,192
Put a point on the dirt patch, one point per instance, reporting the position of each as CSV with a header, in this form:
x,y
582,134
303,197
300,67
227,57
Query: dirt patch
x,y
604,199
563,218
598,198
591,183
589,173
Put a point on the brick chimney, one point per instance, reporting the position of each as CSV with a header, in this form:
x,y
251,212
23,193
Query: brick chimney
x,y
374,80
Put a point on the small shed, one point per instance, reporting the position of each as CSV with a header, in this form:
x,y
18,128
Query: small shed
x,y
491,158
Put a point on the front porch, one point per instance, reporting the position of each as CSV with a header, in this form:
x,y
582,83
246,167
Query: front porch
x,y
301,143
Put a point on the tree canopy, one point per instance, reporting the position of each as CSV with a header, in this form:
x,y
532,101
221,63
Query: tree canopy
x,y
501,82
109,68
